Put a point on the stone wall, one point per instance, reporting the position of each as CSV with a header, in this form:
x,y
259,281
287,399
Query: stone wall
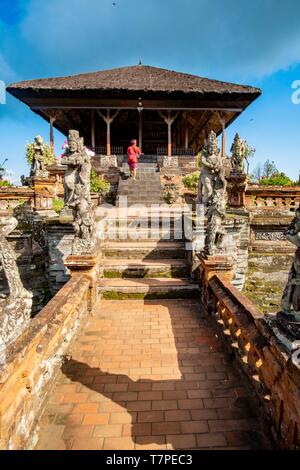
x,y
59,234
236,244
271,211
31,362
13,197
269,366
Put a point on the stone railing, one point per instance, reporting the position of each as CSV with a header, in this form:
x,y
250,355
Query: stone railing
x,y
38,197
269,365
272,198
13,197
29,364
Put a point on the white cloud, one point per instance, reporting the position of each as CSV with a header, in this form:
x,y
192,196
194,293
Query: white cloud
x,y
6,72
246,39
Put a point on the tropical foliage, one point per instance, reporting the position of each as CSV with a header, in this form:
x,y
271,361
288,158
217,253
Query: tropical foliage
x,y
267,174
98,184
280,179
191,181
5,183
57,204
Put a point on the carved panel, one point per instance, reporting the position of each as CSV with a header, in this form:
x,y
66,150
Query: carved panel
x,y
270,235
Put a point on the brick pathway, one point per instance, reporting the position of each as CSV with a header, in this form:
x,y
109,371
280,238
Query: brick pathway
x,y
149,375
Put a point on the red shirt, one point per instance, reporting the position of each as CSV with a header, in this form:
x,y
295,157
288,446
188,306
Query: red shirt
x,y
133,151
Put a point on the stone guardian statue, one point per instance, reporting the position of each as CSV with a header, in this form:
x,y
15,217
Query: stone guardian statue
x,y
77,196
211,193
289,317
212,170
38,165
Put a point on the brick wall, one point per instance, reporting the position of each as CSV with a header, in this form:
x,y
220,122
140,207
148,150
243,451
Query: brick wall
x,y
31,362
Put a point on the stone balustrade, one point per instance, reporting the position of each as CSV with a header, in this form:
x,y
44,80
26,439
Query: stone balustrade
x,y
268,364
38,196
13,197
266,199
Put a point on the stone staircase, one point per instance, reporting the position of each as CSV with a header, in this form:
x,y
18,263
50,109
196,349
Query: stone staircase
x,y
145,258
145,190
146,270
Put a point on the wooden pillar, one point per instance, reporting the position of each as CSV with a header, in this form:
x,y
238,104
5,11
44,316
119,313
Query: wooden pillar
x,y
223,122
52,120
223,140
186,138
93,129
108,119
186,132
108,152
169,138
140,129
169,121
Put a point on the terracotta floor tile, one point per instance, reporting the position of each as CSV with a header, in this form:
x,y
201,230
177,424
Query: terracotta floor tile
x,y
149,375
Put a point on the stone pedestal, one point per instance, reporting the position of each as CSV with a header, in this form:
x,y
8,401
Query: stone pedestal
x,y
44,192
236,190
216,264
170,162
108,161
89,265
221,265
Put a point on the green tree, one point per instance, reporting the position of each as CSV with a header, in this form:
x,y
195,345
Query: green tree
x,y
269,169
264,170
267,174
279,179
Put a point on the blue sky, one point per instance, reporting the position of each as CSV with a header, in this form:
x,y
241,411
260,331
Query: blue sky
x,y
256,43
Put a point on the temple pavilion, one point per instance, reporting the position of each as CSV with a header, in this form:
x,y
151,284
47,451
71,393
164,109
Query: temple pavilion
x,y
169,113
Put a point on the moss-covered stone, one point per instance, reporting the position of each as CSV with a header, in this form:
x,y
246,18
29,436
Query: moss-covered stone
x,y
140,273
174,294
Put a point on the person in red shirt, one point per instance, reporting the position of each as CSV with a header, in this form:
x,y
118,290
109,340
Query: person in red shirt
x,y
133,153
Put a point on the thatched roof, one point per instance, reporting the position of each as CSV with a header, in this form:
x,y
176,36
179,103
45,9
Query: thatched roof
x,y
135,78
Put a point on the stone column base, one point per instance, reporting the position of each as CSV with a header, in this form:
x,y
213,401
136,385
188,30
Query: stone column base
x,y
89,265
236,190
216,264
44,192
210,266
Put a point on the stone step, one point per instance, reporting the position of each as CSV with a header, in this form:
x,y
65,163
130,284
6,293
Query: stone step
x,y
145,250
127,268
134,235
148,220
148,288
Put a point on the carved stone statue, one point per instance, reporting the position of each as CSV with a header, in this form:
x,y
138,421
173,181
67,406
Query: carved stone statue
x,y
212,171
289,317
77,193
236,177
211,193
215,232
15,308
38,165
238,154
